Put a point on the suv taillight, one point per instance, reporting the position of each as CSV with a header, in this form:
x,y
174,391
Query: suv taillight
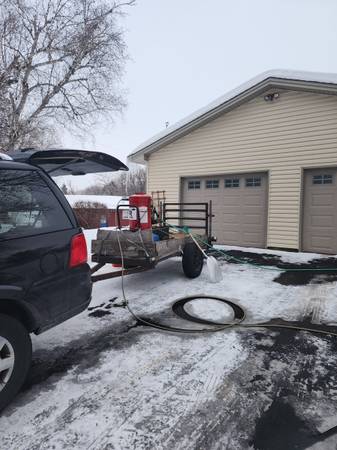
x,y
78,251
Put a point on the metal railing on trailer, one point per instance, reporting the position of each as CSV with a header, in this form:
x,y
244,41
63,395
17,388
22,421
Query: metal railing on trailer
x,y
180,210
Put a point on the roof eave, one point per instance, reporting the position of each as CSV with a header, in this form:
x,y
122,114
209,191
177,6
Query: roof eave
x,y
143,154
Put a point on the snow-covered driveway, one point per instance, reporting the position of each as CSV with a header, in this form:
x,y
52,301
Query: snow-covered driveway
x,y
100,381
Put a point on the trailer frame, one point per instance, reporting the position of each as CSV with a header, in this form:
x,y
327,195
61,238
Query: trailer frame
x,y
106,249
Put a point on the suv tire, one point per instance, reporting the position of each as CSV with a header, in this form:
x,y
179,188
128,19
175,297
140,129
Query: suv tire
x,y
15,357
192,261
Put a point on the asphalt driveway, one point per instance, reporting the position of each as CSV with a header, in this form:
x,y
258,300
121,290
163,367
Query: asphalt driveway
x,y
103,381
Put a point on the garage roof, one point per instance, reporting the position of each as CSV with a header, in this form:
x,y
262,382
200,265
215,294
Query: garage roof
x,y
287,79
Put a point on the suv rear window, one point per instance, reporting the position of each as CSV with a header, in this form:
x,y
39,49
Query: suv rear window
x,y
28,206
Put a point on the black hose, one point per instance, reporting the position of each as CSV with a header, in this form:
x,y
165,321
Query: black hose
x,y
237,321
179,309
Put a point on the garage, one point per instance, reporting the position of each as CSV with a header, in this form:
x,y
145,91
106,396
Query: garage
x,y
320,211
239,206
280,123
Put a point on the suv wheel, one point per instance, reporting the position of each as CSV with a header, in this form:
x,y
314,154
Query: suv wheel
x,y
15,357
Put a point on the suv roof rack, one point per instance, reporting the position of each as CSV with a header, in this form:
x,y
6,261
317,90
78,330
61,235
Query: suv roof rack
x,y
4,157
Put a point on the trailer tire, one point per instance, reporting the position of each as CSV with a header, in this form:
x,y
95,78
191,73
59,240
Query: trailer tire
x,y
15,357
192,261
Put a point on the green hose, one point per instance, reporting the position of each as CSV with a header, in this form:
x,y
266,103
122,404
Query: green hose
x,y
186,230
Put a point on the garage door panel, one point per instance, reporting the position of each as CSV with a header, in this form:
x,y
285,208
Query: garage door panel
x,y
231,219
233,209
322,243
322,199
240,209
251,238
322,221
233,200
252,219
252,211
253,200
320,211
228,227
231,236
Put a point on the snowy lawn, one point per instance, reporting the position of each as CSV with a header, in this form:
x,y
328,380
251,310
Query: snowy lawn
x,y
101,381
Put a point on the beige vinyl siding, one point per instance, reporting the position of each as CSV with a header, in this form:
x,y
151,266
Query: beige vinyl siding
x,y
299,130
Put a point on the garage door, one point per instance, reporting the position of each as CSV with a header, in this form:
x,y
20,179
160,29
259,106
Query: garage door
x,y
239,205
320,211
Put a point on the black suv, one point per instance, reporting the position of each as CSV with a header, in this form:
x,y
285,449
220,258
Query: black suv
x,y
44,275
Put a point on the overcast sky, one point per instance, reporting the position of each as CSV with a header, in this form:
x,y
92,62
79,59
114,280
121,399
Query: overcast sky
x,y
186,53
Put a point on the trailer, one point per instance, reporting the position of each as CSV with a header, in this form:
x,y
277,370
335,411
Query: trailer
x,y
140,249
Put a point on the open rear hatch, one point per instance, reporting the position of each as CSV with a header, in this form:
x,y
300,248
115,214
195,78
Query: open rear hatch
x,y
69,162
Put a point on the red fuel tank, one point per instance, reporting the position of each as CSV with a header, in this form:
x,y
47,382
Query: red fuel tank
x,y
143,202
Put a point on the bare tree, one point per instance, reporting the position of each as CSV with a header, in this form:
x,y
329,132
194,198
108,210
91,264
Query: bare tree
x,y
67,188
89,213
106,184
61,63
133,181
125,183
64,189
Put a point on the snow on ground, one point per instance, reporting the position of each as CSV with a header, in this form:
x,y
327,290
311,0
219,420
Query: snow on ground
x,y
210,310
101,381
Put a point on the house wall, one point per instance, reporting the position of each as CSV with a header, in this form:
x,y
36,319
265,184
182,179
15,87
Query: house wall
x,y
297,131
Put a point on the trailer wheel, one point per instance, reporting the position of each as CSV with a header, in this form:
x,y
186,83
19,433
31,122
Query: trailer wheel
x,y
192,261
15,357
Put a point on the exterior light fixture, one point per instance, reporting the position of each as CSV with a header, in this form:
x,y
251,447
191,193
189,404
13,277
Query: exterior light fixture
x,y
271,97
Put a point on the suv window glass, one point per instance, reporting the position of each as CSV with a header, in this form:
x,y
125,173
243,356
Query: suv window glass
x,y
28,206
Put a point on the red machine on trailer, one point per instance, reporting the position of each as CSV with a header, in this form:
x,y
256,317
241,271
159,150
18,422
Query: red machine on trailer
x,y
140,212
